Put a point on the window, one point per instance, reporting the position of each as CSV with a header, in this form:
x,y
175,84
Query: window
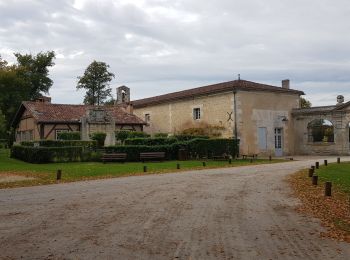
x,y
147,118
196,113
60,131
320,130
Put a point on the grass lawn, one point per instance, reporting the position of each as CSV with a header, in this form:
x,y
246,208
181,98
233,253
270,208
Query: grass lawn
x,y
75,171
338,174
334,211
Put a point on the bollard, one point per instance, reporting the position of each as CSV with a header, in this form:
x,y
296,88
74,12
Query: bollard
x,y
59,175
338,160
325,162
317,165
145,168
328,188
204,164
178,166
230,161
313,167
314,179
270,158
311,172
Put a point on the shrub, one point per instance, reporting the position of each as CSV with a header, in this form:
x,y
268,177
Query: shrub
x,y
183,137
60,143
47,154
135,134
99,137
121,135
150,141
133,151
69,136
157,135
210,147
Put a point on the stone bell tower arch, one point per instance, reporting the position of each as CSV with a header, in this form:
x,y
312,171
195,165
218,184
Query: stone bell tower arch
x,y
123,95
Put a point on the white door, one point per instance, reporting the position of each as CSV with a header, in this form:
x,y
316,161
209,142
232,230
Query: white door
x,y
278,141
262,135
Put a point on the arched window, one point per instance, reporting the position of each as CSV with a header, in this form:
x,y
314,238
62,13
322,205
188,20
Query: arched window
x,y
320,130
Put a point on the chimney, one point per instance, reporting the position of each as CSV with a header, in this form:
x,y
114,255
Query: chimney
x,y
130,108
285,83
340,99
43,99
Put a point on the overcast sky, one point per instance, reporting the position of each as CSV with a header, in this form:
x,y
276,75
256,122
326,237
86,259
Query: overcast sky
x,y
160,46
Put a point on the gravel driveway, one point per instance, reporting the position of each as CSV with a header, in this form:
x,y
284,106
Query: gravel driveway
x,y
232,213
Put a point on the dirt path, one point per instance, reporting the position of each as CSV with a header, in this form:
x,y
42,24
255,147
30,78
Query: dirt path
x,y
232,213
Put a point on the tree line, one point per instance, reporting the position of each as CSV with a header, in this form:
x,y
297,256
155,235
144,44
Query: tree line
x,y
29,79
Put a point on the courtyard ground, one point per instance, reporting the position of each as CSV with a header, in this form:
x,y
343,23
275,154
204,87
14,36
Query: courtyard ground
x,y
231,213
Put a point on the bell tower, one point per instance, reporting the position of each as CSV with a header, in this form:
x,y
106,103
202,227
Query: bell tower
x,y
123,95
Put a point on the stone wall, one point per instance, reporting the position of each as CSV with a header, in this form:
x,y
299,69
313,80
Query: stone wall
x,y
340,146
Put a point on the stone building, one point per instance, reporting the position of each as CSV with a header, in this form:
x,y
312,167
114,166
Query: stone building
x,y
259,115
323,130
40,119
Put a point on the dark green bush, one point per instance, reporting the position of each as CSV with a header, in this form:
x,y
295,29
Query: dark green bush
x,y
47,154
121,135
212,147
157,135
150,141
133,151
69,136
135,134
61,143
99,137
189,137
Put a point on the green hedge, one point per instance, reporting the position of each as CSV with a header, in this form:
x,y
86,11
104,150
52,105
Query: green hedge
x,y
48,154
182,138
133,151
150,141
69,136
99,137
61,143
212,147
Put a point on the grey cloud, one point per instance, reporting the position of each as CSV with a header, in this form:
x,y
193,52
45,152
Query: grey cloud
x,y
158,46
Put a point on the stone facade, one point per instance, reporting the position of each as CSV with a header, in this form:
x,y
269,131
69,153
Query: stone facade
x,y
254,112
339,116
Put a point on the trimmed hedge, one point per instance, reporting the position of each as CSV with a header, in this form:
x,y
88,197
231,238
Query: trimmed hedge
x,y
213,147
47,154
133,151
189,137
61,143
99,137
69,136
150,141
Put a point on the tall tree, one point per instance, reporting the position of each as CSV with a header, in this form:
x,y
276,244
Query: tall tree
x,y
35,71
96,80
304,103
23,81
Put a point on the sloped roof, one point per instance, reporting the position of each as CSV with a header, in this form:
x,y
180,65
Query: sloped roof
x,y
243,85
55,113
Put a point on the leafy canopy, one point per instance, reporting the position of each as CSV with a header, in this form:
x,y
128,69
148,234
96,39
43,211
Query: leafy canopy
x,y
96,80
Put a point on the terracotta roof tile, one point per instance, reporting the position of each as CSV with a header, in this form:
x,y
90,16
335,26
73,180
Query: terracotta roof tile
x,y
48,112
243,85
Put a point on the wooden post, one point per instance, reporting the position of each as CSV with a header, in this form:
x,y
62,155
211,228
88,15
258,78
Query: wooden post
x,y
313,167
178,166
204,164
328,189
311,172
338,160
314,179
270,158
325,162
145,168
59,175
230,161
317,165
